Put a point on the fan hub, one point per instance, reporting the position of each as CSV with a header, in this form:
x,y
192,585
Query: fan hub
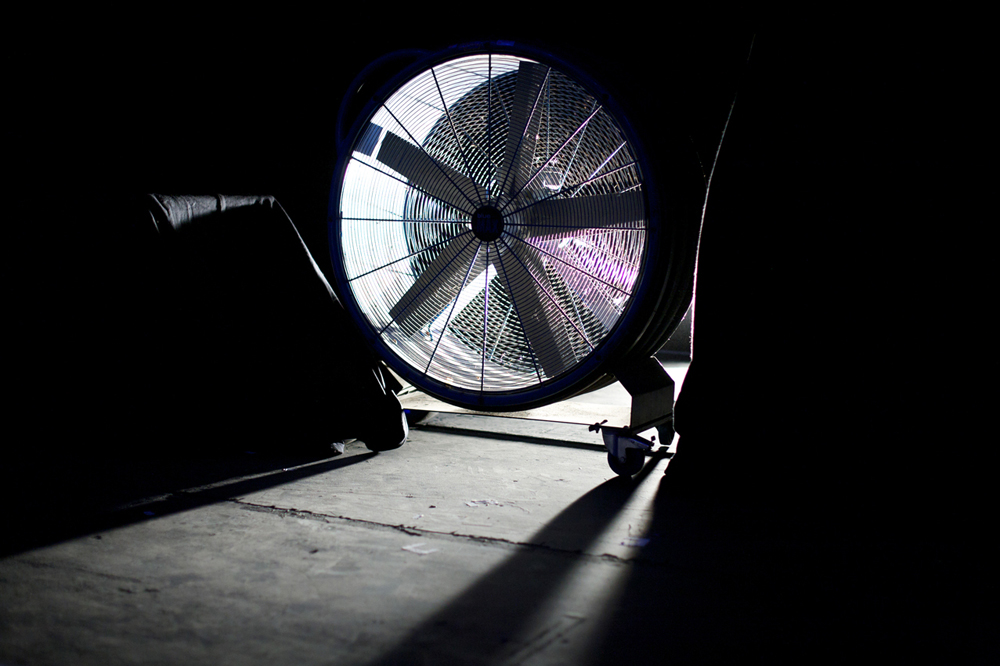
x,y
487,223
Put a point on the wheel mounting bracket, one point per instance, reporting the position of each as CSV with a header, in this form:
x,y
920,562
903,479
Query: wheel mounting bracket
x,y
618,440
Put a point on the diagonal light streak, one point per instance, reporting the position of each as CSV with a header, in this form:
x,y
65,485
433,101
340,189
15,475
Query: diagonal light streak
x,y
614,226
418,100
610,255
489,118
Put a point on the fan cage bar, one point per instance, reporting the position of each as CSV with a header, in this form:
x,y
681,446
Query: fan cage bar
x,y
412,254
550,296
520,141
576,268
552,156
486,315
517,311
431,158
410,184
417,295
603,251
576,150
402,220
614,226
563,195
458,142
489,121
451,312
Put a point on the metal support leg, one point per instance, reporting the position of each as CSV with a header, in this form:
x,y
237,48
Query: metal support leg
x,y
652,391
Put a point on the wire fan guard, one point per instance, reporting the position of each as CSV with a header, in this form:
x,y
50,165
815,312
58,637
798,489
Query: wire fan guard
x,y
490,229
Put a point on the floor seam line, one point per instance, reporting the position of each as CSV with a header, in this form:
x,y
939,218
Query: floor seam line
x,y
416,531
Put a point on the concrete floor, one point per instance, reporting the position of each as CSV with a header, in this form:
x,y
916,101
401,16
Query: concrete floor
x,y
458,548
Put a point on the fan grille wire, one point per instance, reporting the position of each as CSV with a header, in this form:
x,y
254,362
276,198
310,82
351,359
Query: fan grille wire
x,y
482,314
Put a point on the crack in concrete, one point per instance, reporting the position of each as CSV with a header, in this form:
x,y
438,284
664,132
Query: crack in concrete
x,y
414,531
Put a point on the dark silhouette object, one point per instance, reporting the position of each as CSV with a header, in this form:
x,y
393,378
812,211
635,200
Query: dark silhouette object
x,y
277,350
826,269
196,322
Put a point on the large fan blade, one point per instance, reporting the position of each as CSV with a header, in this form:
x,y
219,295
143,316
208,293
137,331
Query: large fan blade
x,y
598,278
435,288
427,174
520,147
557,216
548,339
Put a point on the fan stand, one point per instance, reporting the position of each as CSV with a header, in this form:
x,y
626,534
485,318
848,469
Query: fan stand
x,y
652,391
652,406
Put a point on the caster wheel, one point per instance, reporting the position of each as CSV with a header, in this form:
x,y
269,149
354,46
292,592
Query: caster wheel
x,y
634,460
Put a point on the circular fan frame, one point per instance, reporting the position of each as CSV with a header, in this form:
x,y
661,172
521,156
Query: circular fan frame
x,y
466,262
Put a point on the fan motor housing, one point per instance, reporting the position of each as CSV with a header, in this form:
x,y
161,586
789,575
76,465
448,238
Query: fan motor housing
x,y
499,233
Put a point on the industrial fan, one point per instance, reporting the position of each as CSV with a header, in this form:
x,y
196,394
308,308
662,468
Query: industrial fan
x,y
496,234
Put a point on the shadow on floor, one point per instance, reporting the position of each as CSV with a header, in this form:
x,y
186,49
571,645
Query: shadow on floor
x,y
725,583
722,583
50,499
486,623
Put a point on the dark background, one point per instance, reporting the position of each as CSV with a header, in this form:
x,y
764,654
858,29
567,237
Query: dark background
x,y
843,344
